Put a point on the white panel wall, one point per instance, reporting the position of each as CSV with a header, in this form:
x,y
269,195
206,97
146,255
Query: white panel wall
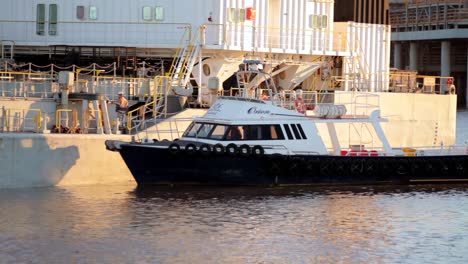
x,y
119,22
280,26
371,45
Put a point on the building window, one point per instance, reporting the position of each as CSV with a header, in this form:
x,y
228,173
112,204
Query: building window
x,y
93,15
236,15
241,17
324,21
53,19
318,21
232,15
40,19
147,13
159,13
80,12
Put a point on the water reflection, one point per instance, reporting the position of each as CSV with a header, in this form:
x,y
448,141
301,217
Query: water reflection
x,y
108,224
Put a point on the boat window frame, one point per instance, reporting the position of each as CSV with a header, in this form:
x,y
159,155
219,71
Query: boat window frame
x,y
201,125
288,131
301,131
296,133
278,131
223,134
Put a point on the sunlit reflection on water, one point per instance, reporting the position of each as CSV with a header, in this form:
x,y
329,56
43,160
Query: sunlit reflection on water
x,y
122,224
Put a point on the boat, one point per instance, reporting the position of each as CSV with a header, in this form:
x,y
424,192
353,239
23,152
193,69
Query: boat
x,y
248,141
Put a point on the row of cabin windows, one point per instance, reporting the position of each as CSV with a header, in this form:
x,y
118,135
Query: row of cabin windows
x,y
148,15
244,132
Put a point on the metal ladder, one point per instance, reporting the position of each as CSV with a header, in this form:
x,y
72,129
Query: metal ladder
x,y
184,61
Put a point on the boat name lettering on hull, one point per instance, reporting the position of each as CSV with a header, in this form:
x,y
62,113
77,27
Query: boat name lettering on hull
x,y
255,110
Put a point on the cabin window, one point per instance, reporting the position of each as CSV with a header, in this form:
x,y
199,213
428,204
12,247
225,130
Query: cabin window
x,y
93,13
192,130
205,130
235,133
80,12
288,131
301,131
296,131
147,13
159,13
276,132
252,133
218,132
40,19
53,19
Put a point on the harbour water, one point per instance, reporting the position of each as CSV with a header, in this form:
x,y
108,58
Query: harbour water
x,y
126,224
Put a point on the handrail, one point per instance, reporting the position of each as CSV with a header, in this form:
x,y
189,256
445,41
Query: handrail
x,y
20,119
59,119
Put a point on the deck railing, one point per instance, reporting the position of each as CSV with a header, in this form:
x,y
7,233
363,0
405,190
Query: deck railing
x,y
20,120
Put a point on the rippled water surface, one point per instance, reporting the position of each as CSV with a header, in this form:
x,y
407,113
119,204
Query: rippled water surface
x,y
123,224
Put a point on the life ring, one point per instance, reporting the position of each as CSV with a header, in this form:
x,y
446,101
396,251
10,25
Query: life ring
x,y
452,89
218,149
205,149
190,148
244,150
300,106
231,149
258,150
174,148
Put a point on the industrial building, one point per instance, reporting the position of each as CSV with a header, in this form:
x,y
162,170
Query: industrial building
x,y
431,37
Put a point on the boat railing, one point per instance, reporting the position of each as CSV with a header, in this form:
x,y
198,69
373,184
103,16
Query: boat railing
x,y
166,129
21,120
42,82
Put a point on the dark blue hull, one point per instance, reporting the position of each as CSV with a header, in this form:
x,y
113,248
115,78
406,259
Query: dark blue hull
x,y
160,166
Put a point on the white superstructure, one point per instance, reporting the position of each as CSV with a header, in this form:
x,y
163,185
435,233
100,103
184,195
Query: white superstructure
x,y
299,37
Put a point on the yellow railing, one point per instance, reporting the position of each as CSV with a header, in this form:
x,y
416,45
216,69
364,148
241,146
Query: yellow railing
x,y
135,117
62,121
21,120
